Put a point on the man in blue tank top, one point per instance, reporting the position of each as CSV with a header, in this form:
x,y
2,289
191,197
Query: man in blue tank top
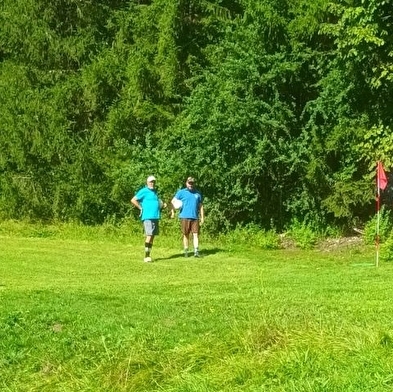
x,y
191,211
149,204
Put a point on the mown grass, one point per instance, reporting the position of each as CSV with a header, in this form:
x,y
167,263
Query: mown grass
x,y
86,314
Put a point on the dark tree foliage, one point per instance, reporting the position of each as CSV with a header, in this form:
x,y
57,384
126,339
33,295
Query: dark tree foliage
x,y
280,108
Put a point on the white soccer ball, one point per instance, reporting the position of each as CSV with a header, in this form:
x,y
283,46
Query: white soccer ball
x,y
177,204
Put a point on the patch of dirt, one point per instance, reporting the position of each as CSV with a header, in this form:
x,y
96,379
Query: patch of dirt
x,y
329,244
340,243
286,242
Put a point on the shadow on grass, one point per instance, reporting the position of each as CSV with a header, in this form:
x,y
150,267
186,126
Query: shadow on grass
x,y
180,255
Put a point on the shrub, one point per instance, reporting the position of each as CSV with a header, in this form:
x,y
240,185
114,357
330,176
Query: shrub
x,y
387,248
302,234
252,235
385,227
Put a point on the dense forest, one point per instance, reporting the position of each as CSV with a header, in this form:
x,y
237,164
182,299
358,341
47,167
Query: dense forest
x,y
280,108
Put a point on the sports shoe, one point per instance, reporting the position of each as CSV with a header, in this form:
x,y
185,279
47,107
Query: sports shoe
x,y
147,259
196,254
185,254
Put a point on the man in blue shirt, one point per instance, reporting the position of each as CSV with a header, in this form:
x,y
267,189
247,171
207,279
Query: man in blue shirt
x,y
190,211
148,202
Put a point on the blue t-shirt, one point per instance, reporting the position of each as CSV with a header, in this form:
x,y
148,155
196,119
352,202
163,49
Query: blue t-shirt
x,y
191,200
150,203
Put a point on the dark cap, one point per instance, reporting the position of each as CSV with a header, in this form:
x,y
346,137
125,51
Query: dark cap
x,y
190,180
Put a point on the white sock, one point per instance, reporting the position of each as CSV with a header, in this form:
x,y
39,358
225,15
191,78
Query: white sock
x,y
195,242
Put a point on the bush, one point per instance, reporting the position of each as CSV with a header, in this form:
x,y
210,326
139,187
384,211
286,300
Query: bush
x,y
252,236
387,249
302,234
385,227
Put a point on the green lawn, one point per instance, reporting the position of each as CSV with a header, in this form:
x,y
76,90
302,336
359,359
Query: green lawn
x,y
91,316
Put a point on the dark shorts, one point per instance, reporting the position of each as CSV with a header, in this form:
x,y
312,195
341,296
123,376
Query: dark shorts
x,y
151,226
189,226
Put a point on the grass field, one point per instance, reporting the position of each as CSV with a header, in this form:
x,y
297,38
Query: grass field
x,y
89,315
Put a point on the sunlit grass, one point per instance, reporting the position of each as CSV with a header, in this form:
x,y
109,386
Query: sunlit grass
x,y
89,315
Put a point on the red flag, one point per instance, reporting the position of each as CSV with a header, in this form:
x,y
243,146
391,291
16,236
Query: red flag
x,y
382,181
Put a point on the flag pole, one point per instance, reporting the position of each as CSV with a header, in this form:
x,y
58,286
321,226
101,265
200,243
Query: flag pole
x,y
382,182
378,217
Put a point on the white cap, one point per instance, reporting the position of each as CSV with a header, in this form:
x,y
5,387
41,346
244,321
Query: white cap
x,y
150,178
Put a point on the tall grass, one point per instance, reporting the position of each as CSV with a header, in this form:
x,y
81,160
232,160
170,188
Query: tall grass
x,y
80,311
